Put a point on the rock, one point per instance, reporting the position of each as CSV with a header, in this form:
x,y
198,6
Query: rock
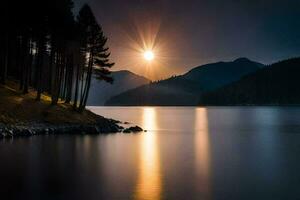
x,y
98,129
104,126
10,132
126,131
115,121
133,129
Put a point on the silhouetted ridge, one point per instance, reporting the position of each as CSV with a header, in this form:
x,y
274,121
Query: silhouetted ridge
x,y
277,84
172,91
212,76
242,59
123,80
185,89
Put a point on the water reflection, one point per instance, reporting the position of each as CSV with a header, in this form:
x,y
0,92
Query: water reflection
x,y
188,153
202,153
149,179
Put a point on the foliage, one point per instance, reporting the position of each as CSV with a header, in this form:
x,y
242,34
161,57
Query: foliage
x,y
45,49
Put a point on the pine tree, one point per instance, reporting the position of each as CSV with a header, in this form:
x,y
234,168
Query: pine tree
x,y
47,50
94,48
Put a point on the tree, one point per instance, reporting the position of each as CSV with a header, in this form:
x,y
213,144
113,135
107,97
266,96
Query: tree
x,y
45,49
93,46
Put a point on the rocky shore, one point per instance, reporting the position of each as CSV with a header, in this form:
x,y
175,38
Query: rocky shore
x,y
10,131
21,116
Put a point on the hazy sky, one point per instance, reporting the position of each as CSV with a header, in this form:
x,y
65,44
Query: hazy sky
x,y
188,33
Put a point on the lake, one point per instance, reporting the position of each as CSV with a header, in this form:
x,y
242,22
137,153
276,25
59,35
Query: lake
x,y
186,153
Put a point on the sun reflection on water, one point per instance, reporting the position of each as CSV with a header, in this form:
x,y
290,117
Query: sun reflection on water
x,y
149,179
202,152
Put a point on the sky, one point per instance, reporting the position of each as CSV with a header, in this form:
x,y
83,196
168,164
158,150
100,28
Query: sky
x,y
184,34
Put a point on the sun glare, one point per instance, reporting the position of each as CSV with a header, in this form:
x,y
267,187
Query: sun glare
x,y
149,55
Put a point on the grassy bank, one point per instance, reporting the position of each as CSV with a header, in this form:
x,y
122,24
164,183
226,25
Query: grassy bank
x,y
19,108
22,111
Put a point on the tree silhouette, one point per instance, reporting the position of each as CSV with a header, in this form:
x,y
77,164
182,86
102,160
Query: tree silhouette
x,y
93,47
45,49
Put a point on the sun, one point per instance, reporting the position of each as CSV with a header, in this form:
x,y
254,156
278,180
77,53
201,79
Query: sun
x,y
149,55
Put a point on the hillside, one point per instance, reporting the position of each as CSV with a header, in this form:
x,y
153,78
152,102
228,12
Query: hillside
x,y
172,91
123,80
22,114
185,89
215,75
277,84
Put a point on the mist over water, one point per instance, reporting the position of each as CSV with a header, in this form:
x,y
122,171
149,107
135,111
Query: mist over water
x,y
186,153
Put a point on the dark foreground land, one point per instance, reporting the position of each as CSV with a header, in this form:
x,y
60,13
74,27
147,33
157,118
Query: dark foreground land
x,y
22,115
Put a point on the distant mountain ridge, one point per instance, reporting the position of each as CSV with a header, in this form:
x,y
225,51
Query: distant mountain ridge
x,y
277,84
185,89
214,75
172,91
123,80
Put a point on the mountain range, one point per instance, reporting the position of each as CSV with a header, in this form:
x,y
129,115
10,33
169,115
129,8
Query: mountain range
x,y
187,88
277,84
124,80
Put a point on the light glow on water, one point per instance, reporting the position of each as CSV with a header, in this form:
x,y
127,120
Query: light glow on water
x,y
149,177
189,152
202,152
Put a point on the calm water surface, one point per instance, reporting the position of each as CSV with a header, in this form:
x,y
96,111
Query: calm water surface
x,y
186,153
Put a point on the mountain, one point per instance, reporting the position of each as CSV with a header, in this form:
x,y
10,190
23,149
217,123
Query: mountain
x,y
277,84
215,75
185,89
172,91
123,80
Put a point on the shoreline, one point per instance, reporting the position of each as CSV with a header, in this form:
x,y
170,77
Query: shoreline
x,y
22,116
33,129
9,131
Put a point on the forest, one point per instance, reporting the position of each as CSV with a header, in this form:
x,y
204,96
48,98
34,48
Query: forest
x,y
45,48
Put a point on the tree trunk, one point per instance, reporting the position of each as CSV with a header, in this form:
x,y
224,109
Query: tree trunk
x,y
70,79
41,51
87,84
76,87
56,80
27,63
